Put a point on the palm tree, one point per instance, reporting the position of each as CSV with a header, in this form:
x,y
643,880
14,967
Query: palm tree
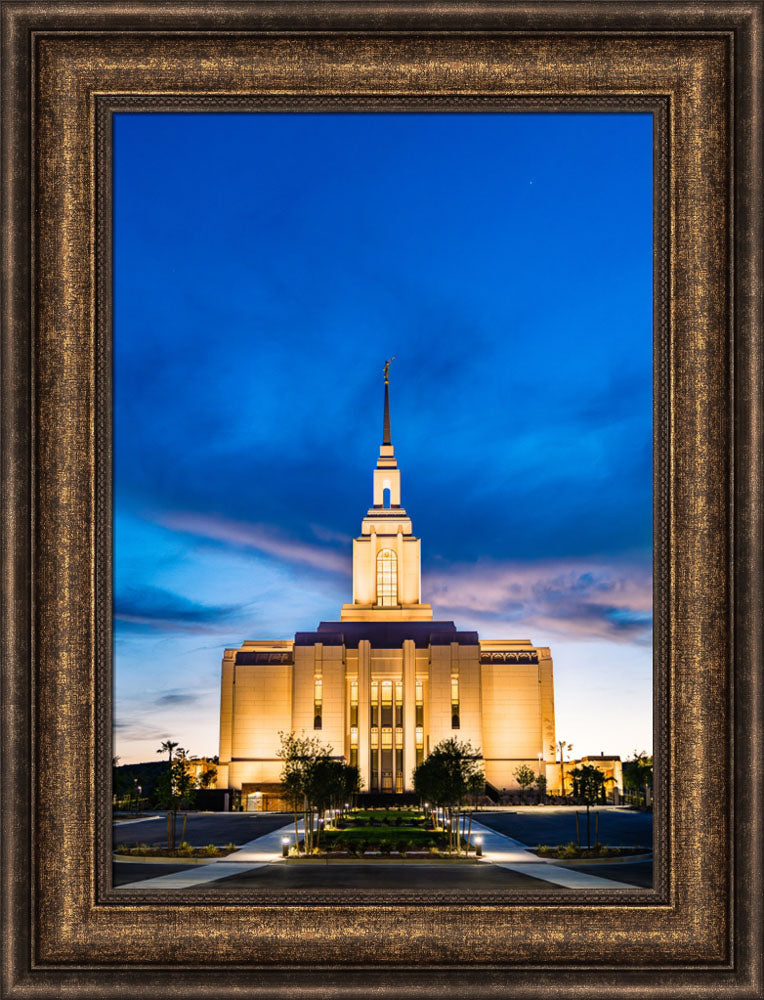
x,y
167,747
562,746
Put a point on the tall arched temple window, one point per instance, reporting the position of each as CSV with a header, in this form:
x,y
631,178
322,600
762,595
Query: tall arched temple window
x,y
387,579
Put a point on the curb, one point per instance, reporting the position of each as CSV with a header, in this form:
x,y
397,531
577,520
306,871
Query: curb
x,y
438,862
623,860
153,860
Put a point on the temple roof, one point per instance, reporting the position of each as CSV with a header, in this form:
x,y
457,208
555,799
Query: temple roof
x,y
386,635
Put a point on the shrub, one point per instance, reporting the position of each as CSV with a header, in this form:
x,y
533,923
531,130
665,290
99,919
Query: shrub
x,y
569,851
185,849
230,847
384,846
542,849
210,851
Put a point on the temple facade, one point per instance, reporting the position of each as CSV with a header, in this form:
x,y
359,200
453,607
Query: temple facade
x,y
387,682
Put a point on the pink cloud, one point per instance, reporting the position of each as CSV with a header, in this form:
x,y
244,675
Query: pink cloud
x,y
575,598
262,537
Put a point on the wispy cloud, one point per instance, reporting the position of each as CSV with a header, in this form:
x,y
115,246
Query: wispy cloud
x,y
260,537
176,697
325,534
156,608
578,599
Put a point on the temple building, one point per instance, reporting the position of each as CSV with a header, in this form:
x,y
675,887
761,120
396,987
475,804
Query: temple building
x,y
386,683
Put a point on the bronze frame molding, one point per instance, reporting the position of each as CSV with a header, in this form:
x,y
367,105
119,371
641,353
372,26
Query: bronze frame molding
x,y
105,107
66,68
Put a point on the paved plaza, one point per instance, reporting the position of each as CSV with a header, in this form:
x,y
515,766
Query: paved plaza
x,y
506,863
533,825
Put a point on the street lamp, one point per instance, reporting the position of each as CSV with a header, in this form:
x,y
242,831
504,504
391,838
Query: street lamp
x,y
285,847
478,847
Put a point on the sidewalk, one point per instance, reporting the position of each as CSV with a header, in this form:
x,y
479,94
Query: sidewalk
x,y
255,854
498,849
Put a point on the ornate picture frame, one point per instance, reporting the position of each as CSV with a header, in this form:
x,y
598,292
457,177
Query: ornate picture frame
x,y
67,68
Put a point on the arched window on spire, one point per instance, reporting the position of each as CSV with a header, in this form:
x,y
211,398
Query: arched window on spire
x,y
387,579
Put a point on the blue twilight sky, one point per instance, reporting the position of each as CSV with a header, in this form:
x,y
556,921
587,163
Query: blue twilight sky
x,y
265,266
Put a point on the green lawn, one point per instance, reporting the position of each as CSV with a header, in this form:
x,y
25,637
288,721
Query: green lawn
x,y
391,834
386,816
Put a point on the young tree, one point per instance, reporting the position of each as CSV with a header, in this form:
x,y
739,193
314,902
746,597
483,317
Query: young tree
x,y
118,782
475,787
445,778
638,772
207,778
175,789
351,784
587,782
525,777
312,780
540,783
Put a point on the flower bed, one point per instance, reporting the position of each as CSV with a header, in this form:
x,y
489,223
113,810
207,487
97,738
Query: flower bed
x,y
571,850
184,851
383,818
357,839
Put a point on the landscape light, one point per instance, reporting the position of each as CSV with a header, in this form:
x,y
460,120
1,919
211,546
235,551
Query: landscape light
x,y
284,847
478,847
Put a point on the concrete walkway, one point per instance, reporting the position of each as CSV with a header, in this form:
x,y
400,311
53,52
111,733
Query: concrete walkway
x,y
498,849
255,854
507,853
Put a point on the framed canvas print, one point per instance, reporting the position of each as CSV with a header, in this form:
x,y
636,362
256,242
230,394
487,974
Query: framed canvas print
x,y
368,696
382,526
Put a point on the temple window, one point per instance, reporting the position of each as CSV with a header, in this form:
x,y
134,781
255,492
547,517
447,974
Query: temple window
x,y
387,579
318,702
455,720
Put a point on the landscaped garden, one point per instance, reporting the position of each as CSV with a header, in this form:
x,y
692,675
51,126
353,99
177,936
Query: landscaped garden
x,y
184,851
572,851
321,787
380,832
